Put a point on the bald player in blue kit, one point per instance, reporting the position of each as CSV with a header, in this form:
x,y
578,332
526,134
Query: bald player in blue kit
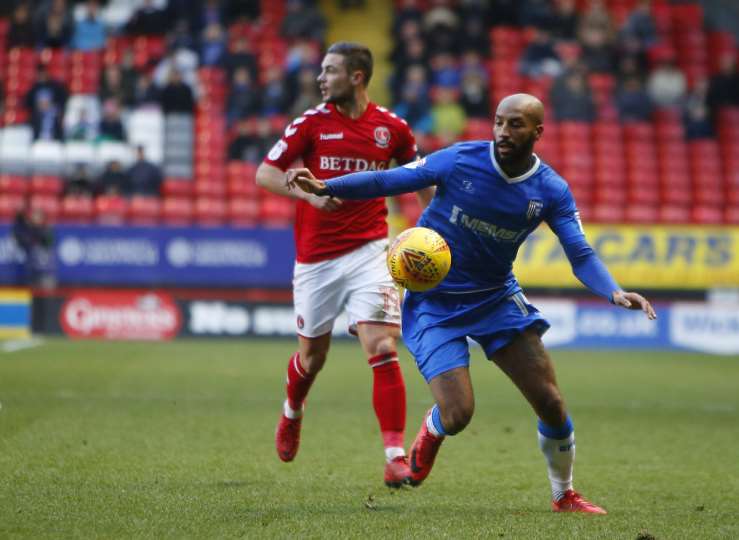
x,y
490,195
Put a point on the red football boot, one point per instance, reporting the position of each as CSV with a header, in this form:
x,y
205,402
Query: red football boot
x,y
397,472
423,452
573,502
287,437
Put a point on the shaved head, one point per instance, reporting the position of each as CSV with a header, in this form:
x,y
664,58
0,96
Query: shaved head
x,y
518,125
526,104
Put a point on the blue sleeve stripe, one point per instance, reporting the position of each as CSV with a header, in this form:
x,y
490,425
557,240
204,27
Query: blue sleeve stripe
x,y
559,433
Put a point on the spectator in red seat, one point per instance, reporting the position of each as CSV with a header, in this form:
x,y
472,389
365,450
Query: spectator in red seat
x,y
176,96
447,114
475,98
21,33
666,84
46,88
307,92
144,177
80,182
182,59
111,126
83,129
275,95
89,33
540,59
640,24
414,106
148,20
252,141
114,179
303,20
53,24
564,20
245,99
213,48
241,55
571,97
111,84
146,92
633,101
697,116
597,38
442,23
46,120
723,87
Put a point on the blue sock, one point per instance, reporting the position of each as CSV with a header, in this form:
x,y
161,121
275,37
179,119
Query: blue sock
x,y
433,422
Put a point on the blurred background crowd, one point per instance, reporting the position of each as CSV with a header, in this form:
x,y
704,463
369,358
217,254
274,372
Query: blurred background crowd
x,y
154,111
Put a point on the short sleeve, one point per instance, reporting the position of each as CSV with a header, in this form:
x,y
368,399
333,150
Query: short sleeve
x,y
293,144
407,149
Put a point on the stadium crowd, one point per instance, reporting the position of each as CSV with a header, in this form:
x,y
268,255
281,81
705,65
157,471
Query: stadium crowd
x,y
641,99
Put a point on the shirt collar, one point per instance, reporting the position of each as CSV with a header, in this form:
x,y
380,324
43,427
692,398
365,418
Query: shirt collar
x,y
515,179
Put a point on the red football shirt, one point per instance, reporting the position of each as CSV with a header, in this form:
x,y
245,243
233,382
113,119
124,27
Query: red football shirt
x,y
332,144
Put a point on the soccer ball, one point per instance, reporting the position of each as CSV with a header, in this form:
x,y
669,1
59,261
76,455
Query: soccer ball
x,y
419,259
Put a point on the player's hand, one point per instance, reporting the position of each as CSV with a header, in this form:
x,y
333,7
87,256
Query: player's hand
x,y
632,300
327,204
304,179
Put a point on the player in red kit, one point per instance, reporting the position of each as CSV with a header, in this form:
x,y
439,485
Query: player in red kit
x,y
341,245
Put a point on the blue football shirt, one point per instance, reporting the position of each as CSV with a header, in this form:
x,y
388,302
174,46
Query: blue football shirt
x,y
485,215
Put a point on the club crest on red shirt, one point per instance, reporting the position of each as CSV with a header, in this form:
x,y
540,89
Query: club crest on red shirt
x,y
382,136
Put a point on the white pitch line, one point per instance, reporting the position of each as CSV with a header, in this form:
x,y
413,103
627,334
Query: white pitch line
x,y
15,345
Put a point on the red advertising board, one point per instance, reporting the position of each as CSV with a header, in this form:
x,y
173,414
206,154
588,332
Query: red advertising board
x,y
111,314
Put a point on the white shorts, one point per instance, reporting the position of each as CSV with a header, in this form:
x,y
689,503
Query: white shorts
x,y
357,282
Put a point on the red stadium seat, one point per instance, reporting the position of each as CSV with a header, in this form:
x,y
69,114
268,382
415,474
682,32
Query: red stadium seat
x,y
10,205
731,215
177,211
243,212
674,214
50,205
607,213
706,215
111,210
276,211
13,184
77,209
641,213
177,187
210,212
210,188
144,211
46,185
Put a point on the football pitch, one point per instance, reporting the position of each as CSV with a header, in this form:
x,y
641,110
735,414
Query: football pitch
x,y
153,440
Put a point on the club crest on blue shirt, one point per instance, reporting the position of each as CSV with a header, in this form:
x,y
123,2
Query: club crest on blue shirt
x,y
467,186
534,209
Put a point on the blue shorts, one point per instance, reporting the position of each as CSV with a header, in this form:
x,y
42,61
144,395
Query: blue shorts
x,y
436,327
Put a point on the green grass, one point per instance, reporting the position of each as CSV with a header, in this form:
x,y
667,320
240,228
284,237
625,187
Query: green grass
x,y
113,440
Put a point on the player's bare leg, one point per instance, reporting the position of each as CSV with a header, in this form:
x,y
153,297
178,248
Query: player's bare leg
x,y
302,369
455,403
388,395
529,366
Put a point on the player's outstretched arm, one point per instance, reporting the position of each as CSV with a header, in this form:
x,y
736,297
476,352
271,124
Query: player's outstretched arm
x,y
274,179
632,300
363,185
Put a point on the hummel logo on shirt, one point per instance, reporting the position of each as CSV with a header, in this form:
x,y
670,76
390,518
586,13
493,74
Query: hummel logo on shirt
x,y
332,136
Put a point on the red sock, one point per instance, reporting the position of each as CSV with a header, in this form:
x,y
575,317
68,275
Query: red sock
x,y
298,383
388,398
